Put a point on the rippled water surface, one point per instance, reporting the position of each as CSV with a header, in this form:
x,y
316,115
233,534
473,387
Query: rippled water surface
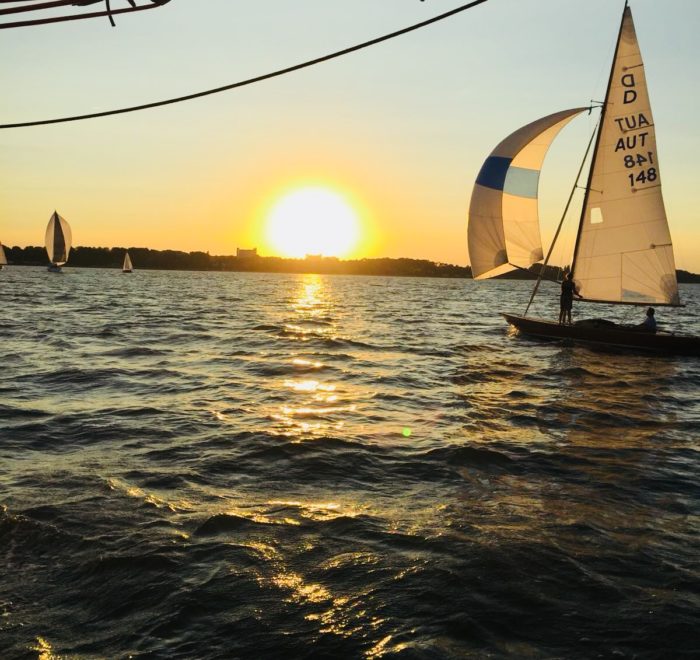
x,y
222,465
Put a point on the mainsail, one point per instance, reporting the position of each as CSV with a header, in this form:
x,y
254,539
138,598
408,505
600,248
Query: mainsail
x,y
58,239
3,258
127,267
623,250
504,230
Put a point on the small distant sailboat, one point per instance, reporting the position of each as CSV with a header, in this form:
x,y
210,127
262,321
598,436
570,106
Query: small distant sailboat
x,y
58,242
127,267
3,258
623,252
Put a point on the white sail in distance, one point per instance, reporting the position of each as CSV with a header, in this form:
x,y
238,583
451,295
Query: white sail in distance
x,y
58,239
127,267
623,251
3,257
504,229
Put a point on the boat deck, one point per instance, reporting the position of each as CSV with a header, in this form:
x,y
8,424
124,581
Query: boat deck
x,y
607,333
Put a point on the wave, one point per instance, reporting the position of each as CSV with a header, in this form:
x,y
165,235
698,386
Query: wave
x,y
176,484
135,351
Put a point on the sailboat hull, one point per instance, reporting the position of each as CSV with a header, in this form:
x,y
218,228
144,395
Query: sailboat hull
x,y
606,333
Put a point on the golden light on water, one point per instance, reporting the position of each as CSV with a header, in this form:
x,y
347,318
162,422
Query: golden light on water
x,y
312,220
334,613
309,302
44,650
308,386
130,490
311,406
310,364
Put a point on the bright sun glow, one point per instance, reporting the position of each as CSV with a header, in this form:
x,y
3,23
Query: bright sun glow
x,y
313,220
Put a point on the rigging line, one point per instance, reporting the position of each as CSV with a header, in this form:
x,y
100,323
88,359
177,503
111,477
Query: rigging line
x,y
37,7
109,13
563,215
250,81
76,17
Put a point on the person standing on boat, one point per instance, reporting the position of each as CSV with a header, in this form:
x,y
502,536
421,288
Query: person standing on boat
x,y
566,300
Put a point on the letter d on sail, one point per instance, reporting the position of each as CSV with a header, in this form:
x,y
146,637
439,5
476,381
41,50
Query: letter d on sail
x,y
628,81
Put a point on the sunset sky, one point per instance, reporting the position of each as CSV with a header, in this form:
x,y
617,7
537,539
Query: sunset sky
x,y
397,131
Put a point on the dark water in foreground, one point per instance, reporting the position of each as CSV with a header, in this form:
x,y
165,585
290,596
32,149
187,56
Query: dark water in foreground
x,y
205,465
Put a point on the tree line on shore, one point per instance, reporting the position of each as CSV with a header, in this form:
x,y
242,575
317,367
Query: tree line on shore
x,y
147,259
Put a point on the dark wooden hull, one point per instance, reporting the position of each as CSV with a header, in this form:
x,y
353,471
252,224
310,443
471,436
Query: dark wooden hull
x,y
605,333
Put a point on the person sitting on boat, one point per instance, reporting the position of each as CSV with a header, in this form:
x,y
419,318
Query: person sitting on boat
x,y
649,323
566,300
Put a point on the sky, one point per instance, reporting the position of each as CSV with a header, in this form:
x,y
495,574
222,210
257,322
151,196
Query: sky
x,y
399,130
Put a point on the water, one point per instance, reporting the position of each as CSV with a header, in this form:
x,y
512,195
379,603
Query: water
x,y
221,465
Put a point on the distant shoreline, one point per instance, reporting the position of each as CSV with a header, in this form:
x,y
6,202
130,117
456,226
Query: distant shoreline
x,y
147,259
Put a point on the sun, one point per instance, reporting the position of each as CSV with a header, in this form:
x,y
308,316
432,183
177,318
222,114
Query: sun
x,y
312,220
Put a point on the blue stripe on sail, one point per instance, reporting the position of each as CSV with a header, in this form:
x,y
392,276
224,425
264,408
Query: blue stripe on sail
x,y
522,182
493,172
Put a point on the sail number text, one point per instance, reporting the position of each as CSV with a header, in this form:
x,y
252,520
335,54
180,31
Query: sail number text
x,y
632,146
639,158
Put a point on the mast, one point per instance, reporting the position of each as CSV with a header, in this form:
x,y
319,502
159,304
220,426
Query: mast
x,y
597,142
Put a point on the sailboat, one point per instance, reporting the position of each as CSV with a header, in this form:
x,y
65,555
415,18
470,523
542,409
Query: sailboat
x,y
623,252
3,258
127,267
58,242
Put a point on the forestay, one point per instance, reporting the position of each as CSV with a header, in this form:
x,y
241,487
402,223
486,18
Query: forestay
x,y
58,239
504,231
623,251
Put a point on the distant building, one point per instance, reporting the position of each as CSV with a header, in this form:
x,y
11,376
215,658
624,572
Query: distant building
x,y
246,254
320,257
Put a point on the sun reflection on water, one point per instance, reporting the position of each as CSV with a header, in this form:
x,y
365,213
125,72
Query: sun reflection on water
x,y
44,650
338,613
311,300
312,407
309,386
320,511
121,486
300,362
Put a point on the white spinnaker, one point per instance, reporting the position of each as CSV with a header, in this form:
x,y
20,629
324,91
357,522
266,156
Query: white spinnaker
x,y
127,262
58,239
624,252
504,229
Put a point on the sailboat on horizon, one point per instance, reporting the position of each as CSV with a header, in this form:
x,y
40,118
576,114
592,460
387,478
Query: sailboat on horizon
x,y
3,257
127,267
58,241
623,252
